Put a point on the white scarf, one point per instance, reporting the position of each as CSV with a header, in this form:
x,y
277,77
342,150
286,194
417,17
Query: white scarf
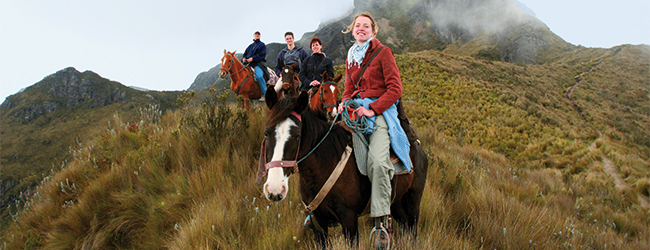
x,y
357,52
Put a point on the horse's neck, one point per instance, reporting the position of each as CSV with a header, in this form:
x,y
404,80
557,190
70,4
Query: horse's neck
x,y
239,71
314,100
330,140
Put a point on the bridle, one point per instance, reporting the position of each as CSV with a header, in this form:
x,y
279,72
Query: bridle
x,y
294,164
322,99
291,164
232,62
284,164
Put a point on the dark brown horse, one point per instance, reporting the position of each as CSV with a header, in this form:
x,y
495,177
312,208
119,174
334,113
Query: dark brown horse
x,y
287,85
242,78
292,132
323,100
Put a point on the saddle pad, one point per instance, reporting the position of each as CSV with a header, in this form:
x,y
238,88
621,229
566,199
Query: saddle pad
x,y
361,155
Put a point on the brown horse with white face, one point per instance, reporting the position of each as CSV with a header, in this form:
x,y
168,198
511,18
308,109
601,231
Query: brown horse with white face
x,y
296,139
242,78
323,100
287,85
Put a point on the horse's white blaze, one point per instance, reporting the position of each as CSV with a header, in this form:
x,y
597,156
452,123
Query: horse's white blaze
x,y
334,111
277,183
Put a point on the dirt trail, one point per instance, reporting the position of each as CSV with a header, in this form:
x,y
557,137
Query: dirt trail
x,y
619,183
579,78
608,165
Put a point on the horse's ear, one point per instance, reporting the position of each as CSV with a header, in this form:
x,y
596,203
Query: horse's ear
x,y
281,64
295,67
338,78
225,52
271,98
302,102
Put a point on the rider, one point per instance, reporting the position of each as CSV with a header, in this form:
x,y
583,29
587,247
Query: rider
x,y
313,67
255,55
377,91
291,54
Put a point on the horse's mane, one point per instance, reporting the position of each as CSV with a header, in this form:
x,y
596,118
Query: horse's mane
x,y
281,110
314,129
235,60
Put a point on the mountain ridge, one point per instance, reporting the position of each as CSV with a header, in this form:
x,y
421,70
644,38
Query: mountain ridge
x,y
39,124
509,33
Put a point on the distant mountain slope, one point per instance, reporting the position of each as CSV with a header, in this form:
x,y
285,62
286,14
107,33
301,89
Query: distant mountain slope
x,y
502,30
39,125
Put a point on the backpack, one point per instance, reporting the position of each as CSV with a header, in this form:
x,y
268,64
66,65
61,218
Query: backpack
x,y
292,56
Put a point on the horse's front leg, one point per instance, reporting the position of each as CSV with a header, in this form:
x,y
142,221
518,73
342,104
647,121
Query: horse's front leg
x,y
321,239
350,226
246,101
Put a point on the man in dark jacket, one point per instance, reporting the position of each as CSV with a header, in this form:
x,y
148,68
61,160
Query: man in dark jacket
x,y
255,55
290,55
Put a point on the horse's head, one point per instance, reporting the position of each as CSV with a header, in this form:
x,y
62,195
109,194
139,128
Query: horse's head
x,y
227,61
282,135
290,80
325,100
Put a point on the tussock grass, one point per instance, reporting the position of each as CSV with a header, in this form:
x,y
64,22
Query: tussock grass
x,y
509,169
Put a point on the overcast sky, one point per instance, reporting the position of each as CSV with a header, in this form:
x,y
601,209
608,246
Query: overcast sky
x,y
164,45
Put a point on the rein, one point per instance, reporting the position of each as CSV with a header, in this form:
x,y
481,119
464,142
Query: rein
x,y
321,141
359,124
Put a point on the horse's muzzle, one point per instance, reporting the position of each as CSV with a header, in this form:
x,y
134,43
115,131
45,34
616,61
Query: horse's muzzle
x,y
273,196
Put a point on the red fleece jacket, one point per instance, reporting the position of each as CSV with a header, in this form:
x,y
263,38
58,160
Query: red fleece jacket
x,y
381,79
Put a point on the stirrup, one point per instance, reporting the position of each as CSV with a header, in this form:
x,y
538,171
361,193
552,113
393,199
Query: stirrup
x,y
381,239
308,223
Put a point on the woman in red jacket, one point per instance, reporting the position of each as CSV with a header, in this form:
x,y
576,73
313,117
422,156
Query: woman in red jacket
x,y
377,90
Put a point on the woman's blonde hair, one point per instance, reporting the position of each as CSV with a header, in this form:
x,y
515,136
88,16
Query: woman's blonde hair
x,y
375,28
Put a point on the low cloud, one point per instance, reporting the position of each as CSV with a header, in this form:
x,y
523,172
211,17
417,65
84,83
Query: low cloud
x,y
474,16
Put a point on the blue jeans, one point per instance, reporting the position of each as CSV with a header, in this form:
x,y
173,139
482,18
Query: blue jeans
x,y
259,74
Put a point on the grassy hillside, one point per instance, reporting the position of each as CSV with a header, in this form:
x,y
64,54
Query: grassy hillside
x,y
33,144
509,148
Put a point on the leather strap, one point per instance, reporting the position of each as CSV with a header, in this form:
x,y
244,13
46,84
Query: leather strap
x,y
365,65
330,181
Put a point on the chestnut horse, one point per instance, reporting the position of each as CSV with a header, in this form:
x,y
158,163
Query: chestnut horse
x,y
292,132
243,80
323,100
287,85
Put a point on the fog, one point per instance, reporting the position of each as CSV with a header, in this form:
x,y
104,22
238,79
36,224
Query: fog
x,y
475,16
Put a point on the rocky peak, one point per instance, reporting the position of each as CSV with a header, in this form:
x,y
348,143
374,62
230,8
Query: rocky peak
x,y
65,88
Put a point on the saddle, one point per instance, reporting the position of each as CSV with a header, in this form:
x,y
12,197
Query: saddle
x,y
399,167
